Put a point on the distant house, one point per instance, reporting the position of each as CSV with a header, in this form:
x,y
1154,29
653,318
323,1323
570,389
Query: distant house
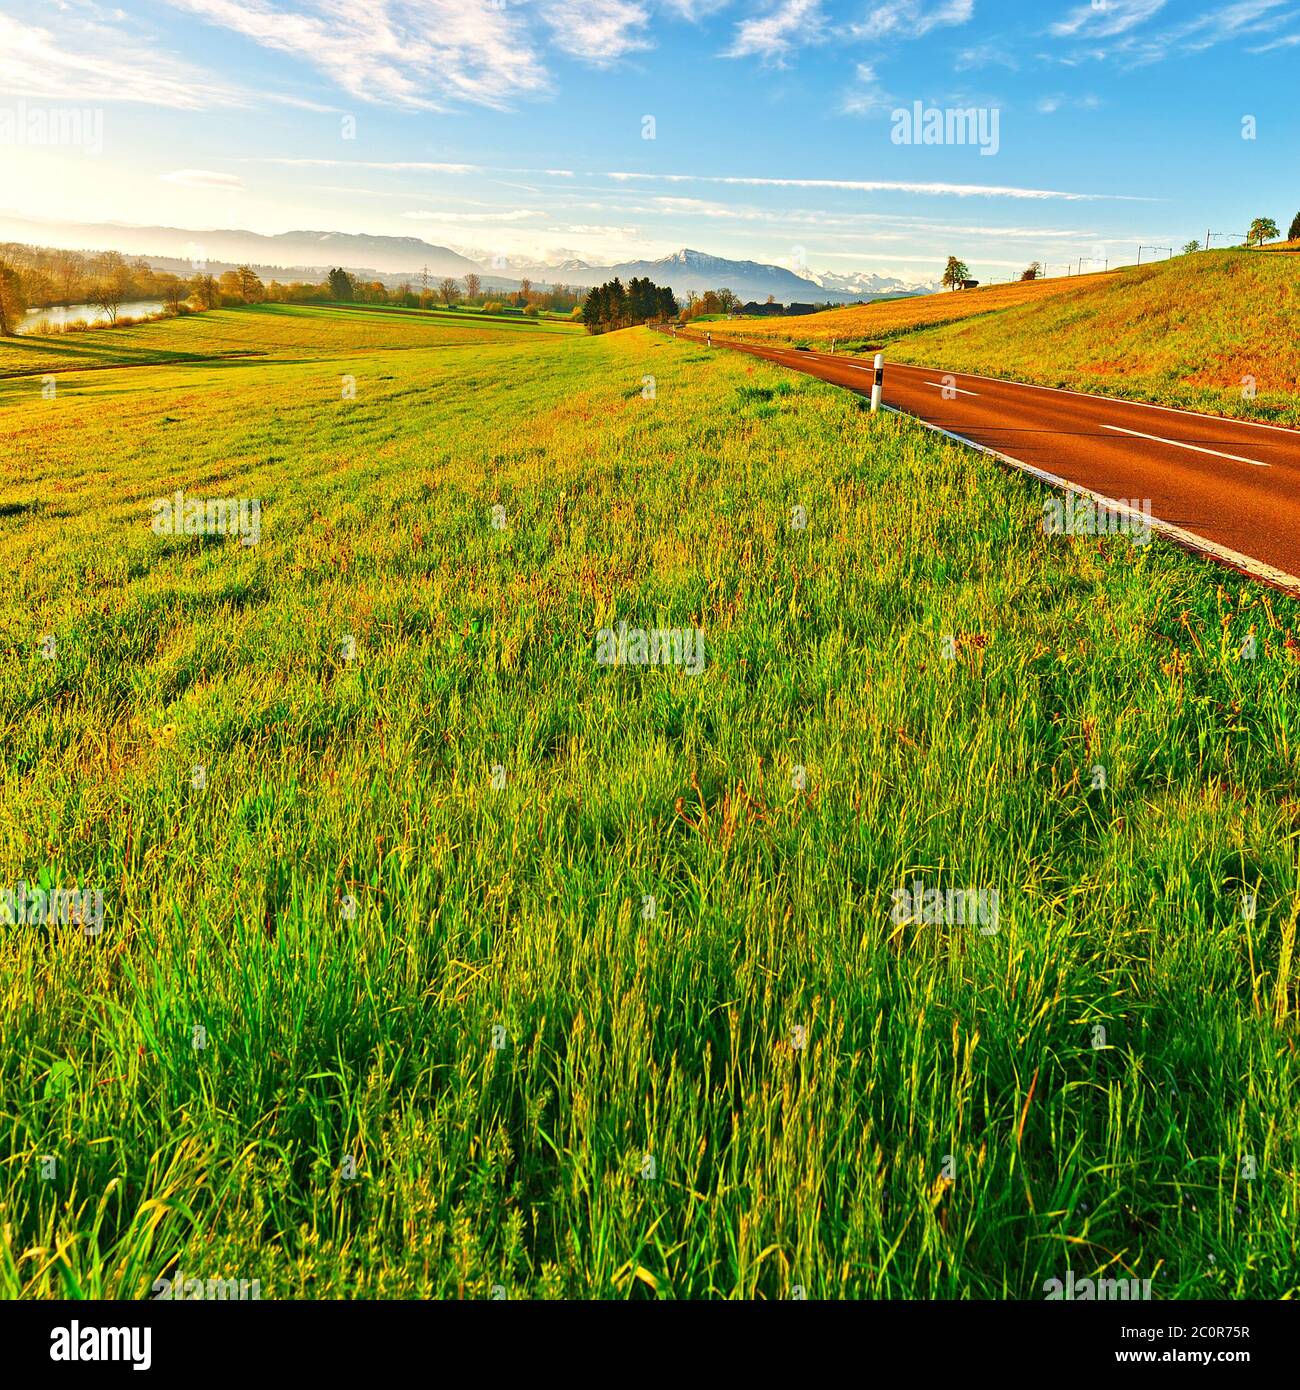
x,y
970,284
801,309
762,310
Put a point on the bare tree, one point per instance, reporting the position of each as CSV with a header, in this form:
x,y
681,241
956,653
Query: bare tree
x,y
472,286
107,295
69,267
448,290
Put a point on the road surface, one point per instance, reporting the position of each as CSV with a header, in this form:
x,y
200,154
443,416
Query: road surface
x,y
1226,488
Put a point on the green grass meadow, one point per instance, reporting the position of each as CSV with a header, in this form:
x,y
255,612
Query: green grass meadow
x,y
514,969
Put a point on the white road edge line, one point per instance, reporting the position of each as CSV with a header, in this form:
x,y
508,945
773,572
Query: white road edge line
x,y
939,386
1246,564
1179,444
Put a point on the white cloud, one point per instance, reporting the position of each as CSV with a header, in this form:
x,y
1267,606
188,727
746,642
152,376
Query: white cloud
x,y
694,10
392,165
598,31
1290,41
203,178
959,190
1114,17
866,97
91,62
426,55
515,215
791,24
912,19
1239,19
984,55
1049,105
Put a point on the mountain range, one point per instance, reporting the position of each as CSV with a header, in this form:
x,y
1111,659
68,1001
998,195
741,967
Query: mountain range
x,y
305,254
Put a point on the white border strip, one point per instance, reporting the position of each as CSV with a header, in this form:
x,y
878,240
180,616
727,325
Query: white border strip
x,y
1256,569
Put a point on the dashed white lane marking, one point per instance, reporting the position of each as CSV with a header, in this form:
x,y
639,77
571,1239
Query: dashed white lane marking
x,y
1179,444
948,386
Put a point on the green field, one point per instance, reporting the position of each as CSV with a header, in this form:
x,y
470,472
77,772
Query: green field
x,y
724,1069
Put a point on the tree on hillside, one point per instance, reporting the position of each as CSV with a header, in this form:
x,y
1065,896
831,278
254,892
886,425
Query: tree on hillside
x,y
206,291
1262,229
174,293
955,272
1190,247
342,286
1034,272
12,302
448,290
1294,233
472,286
251,289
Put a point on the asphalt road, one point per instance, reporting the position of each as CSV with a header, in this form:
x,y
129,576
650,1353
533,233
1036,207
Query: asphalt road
x,y
1226,488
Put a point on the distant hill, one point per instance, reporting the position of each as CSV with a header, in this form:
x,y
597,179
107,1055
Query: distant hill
x,y
688,270
307,254
304,250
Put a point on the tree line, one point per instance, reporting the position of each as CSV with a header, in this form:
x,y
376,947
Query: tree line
x,y
35,277
615,305
347,288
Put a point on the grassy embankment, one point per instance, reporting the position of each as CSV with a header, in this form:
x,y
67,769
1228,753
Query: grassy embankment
x,y
519,906
1214,332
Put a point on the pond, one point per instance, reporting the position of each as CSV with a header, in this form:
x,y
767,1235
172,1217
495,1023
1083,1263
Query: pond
x,y
58,315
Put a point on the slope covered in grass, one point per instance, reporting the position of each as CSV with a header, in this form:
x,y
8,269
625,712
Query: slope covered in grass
x,y
887,318
273,331
1201,331
474,962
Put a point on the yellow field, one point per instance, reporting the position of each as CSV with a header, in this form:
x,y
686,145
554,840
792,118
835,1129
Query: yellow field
x,y
890,317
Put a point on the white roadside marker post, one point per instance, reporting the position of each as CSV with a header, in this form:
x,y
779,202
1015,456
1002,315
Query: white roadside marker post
x,y
879,382
708,337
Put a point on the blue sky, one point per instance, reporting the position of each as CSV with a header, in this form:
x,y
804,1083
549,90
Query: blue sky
x,y
516,128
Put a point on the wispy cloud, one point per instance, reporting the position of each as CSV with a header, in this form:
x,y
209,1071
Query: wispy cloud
x,y
959,190
911,19
1103,21
985,55
450,218
93,62
426,55
866,97
598,31
204,178
1111,32
1049,105
789,25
